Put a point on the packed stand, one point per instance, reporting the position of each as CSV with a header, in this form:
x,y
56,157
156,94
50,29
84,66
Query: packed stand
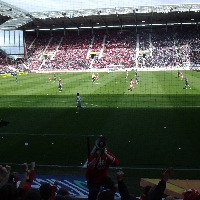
x,y
72,52
36,49
45,50
119,49
164,51
189,45
12,188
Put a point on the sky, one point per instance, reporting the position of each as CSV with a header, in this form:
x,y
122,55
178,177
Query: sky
x,y
59,5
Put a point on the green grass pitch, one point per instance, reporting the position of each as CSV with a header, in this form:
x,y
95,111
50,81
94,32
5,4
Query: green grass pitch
x,y
154,126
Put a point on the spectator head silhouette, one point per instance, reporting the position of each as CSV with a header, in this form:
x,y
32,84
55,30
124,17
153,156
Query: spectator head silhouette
x,y
8,191
45,191
59,197
105,195
63,191
191,194
31,194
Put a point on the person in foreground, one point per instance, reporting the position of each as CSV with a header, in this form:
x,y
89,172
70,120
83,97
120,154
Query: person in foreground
x,y
98,165
155,193
191,194
123,190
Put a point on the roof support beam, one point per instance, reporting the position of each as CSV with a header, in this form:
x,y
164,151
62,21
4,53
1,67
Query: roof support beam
x,y
186,15
72,22
102,19
120,21
89,22
56,22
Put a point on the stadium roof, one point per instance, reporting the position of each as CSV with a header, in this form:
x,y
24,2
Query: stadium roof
x,y
12,17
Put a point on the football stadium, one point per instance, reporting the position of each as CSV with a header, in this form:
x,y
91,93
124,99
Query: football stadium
x,y
119,79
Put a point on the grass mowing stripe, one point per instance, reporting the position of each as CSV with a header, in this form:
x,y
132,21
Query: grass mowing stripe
x,y
125,100
158,101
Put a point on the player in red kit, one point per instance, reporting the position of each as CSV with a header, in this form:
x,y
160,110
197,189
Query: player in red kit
x,y
97,76
181,75
131,85
49,77
98,165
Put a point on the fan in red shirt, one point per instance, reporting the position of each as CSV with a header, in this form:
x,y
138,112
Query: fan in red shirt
x,y
98,165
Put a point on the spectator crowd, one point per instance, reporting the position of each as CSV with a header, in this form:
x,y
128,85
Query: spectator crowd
x,y
101,186
100,49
